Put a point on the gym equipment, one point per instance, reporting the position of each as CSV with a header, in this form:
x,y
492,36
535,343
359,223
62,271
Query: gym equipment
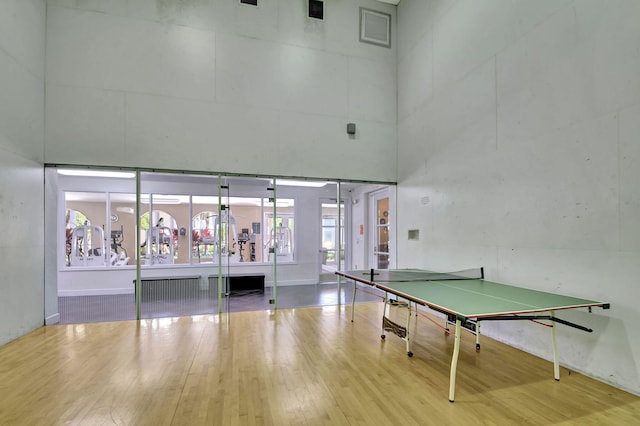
x,y
280,242
243,238
118,253
222,237
224,232
159,246
87,246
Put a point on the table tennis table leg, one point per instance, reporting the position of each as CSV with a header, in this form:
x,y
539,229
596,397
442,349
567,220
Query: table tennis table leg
x,y
353,300
384,313
406,338
556,361
454,361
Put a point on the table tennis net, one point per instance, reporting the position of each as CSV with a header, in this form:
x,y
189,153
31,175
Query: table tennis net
x,y
407,275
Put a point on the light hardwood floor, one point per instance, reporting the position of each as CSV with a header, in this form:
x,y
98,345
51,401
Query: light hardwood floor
x,y
308,366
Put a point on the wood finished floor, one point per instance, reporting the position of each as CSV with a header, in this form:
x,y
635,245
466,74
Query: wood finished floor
x,y
306,366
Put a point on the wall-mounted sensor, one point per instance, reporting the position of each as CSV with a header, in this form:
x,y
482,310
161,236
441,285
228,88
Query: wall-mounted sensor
x,y
351,128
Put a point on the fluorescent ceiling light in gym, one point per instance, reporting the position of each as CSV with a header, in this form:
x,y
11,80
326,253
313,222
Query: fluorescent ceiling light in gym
x,y
96,173
307,183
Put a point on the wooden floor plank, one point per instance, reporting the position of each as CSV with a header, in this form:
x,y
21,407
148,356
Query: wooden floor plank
x,y
309,366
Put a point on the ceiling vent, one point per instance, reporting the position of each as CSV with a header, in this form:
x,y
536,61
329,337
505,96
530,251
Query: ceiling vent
x,y
375,27
249,2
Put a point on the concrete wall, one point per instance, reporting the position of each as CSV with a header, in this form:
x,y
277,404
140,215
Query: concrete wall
x,y
219,86
518,151
22,41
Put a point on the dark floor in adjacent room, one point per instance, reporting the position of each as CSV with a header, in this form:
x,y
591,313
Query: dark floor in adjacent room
x,y
85,309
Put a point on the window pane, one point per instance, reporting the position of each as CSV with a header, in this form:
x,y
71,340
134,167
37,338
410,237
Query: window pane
x,y
85,218
122,239
282,235
203,230
159,238
246,236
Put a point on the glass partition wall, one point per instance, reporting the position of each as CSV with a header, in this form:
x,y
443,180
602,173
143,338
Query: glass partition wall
x,y
149,244
96,245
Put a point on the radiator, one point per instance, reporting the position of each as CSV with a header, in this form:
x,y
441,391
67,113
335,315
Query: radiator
x,y
171,288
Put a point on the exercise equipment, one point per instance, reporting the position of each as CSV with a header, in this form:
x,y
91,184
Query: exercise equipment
x,y
280,242
159,246
224,232
246,238
87,246
118,253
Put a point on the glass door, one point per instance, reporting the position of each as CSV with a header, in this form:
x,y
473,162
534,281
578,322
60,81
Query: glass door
x,y
177,244
380,235
332,239
245,266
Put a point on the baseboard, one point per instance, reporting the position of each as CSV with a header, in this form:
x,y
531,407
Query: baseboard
x,y
52,319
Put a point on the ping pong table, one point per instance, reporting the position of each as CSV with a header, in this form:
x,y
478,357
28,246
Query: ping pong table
x,y
466,299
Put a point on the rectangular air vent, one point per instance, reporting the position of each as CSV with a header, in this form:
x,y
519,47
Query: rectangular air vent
x,y
316,9
250,2
375,27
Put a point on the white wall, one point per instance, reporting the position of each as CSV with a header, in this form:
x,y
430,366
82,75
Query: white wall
x,y
22,32
219,86
518,151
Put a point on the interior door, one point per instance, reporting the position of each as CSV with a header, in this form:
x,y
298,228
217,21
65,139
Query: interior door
x,y
379,240
332,253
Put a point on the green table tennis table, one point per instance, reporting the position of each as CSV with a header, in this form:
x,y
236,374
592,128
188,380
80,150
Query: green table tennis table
x,y
466,299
